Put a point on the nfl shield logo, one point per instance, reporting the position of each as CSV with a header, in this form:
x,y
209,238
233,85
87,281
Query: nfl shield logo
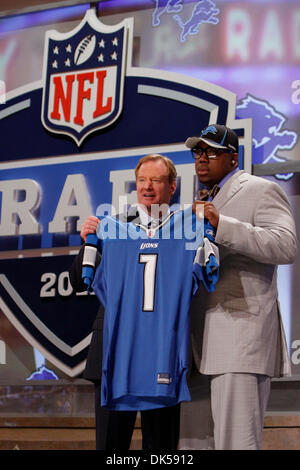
x,y
84,77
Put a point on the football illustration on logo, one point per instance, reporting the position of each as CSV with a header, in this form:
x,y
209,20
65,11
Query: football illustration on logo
x,y
85,49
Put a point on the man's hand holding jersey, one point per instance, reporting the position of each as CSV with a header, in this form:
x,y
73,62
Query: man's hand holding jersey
x,y
89,226
210,212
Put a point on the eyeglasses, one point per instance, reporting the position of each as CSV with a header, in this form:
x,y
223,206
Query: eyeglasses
x,y
210,152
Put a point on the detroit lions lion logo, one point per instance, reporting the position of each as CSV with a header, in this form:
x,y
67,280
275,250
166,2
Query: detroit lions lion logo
x,y
172,6
209,129
204,11
268,138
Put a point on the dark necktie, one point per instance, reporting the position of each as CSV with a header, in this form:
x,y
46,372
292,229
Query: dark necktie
x,y
205,194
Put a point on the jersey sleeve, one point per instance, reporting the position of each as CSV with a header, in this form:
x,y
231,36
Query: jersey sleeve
x,y
89,262
206,262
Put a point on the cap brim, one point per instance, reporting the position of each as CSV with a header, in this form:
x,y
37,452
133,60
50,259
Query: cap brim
x,y
192,142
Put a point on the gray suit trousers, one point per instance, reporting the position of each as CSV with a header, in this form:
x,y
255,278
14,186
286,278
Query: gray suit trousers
x,y
239,402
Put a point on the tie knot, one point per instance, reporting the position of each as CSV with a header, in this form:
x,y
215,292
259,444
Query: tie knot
x,y
205,194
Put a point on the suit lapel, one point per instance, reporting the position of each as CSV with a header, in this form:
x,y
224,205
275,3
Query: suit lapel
x,y
230,189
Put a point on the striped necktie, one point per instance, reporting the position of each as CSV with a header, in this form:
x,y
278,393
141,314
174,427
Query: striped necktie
x,y
205,194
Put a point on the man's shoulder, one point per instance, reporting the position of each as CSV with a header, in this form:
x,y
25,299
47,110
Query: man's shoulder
x,y
254,180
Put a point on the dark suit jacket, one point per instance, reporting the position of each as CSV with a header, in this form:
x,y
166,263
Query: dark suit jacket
x,y
93,368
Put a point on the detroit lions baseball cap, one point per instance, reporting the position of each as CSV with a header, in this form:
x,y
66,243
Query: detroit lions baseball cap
x,y
217,136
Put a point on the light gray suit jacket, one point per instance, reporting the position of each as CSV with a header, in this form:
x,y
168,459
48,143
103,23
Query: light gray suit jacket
x,y
238,327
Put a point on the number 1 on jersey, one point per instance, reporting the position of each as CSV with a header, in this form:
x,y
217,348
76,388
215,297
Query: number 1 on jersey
x,y
150,262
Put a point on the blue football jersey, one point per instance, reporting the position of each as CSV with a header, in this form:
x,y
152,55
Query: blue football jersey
x,y
145,282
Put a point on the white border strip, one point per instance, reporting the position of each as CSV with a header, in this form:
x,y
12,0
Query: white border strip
x,y
15,108
183,98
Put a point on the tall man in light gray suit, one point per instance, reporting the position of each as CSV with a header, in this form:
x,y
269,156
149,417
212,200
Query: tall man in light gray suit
x,y
237,334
